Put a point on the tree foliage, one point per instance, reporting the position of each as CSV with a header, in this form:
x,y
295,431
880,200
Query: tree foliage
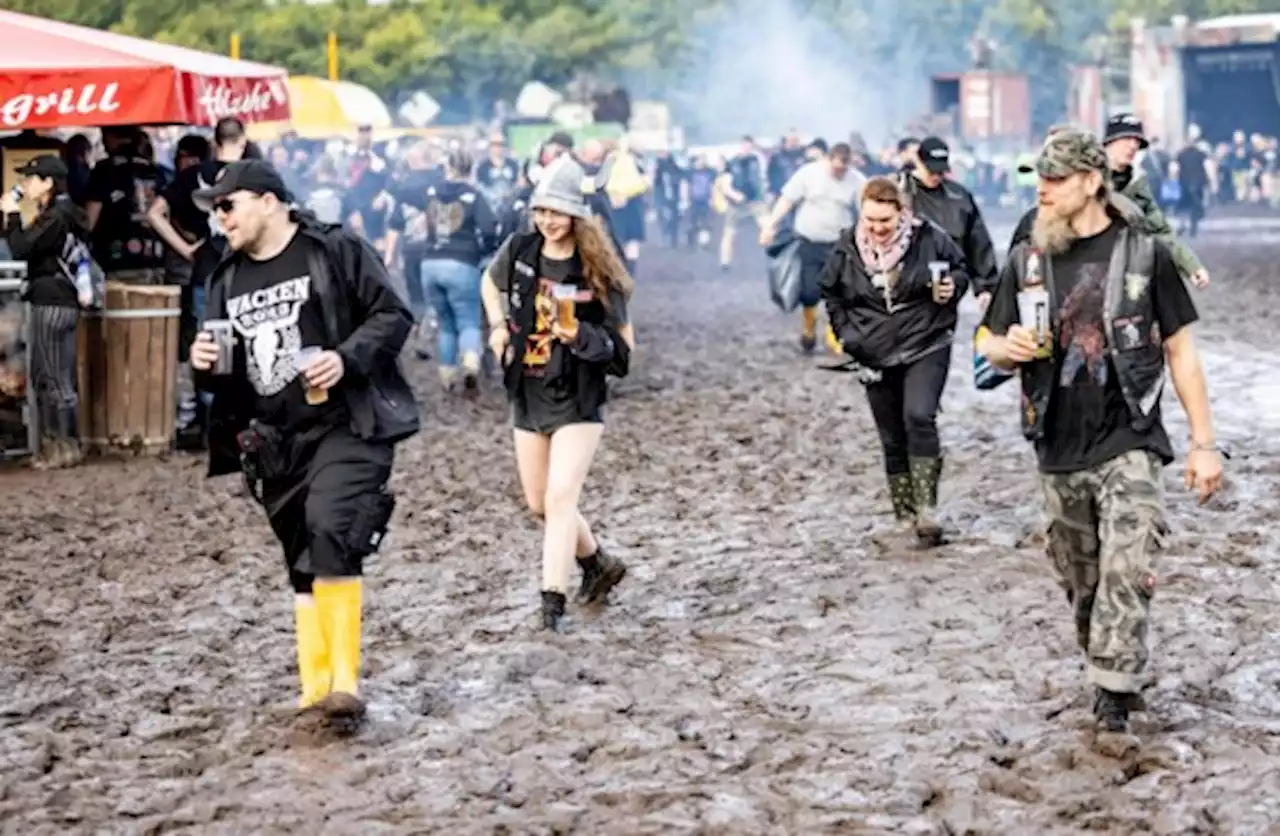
x,y
470,52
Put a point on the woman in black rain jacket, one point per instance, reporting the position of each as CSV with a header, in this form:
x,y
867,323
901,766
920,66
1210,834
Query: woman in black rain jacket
x,y
891,289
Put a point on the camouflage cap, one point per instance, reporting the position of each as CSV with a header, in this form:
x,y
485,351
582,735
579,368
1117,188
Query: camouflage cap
x,y
1067,152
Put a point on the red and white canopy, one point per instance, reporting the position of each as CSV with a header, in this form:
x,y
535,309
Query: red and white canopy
x,y
56,75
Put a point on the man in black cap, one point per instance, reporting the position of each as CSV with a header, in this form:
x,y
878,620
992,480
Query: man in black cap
x,y
311,409
1130,195
951,206
1123,139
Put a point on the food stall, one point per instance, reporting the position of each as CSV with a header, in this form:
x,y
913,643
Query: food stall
x,y
57,75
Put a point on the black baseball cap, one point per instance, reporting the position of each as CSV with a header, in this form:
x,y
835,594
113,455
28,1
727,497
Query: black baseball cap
x,y
562,139
45,165
934,155
257,176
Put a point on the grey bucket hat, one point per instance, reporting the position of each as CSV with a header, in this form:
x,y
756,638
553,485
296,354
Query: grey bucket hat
x,y
560,189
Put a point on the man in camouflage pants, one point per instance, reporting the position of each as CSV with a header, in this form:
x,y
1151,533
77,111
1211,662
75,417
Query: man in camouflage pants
x,y
1092,340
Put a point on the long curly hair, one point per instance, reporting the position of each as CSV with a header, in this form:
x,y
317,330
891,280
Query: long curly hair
x,y
601,265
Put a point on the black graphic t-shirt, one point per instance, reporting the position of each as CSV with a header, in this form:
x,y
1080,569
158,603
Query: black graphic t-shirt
x,y
122,239
1088,422
275,313
554,401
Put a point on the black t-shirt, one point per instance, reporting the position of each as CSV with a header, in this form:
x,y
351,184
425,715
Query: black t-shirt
x,y
1088,422
549,401
121,240
276,313
190,221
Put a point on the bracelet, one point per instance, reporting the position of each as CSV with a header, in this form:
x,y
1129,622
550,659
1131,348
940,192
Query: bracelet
x,y
1211,447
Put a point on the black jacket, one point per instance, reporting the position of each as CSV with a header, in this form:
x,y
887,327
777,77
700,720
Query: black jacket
x,y
458,222
870,332
952,207
41,245
364,318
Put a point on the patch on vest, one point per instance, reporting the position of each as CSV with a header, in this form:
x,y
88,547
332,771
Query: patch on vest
x,y
1135,284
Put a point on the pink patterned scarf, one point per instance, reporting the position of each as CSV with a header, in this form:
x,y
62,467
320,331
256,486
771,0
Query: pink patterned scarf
x,y
881,258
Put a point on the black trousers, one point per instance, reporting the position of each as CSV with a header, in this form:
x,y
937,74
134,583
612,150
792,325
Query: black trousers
x,y
813,257
53,368
327,503
904,404
413,283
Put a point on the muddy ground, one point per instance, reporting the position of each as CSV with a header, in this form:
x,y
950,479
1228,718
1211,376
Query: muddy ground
x,y
776,662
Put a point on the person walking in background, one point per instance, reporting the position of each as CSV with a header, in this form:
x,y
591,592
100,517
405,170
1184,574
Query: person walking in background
x,y
897,317
54,247
1123,139
557,301
743,190
930,195
701,189
461,230
824,194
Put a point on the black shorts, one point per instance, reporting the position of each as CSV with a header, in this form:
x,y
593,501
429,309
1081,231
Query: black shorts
x,y
541,409
329,503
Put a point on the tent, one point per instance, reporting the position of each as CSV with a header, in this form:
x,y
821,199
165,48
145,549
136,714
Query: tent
x,y
322,109
56,75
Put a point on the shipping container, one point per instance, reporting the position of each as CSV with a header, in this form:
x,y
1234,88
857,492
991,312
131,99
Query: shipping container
x,y
985,105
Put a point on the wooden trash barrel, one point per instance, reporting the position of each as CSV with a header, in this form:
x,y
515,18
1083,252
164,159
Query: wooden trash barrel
x,y
128,368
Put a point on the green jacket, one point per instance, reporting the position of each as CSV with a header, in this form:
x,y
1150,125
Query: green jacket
x,y
1139,192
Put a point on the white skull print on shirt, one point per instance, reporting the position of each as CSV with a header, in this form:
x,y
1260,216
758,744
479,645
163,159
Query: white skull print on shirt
x,y
268,321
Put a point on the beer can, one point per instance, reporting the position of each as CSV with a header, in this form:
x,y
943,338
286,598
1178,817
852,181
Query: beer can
x,y
223,334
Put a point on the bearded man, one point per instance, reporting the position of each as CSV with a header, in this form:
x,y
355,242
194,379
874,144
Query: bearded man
x,y
1118,315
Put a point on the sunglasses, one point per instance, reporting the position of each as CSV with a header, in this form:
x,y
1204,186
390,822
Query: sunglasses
x,y
225,206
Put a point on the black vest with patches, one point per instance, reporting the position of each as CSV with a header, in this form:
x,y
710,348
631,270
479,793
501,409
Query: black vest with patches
x,y
1134,343
522,316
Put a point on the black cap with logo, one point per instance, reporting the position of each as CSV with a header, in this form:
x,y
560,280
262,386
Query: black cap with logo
x,y
45,165
256,176
934,155
1125,126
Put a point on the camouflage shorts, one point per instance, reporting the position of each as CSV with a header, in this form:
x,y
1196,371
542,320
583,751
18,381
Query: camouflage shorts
x,y
1106,525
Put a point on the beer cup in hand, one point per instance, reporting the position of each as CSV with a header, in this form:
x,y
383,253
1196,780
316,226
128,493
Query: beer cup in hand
x,y
1021,344
204,352
943,290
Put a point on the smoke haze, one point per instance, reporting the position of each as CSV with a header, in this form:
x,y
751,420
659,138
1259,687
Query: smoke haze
x,y
766,66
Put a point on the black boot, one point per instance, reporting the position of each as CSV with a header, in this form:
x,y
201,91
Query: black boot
x,y
69,430
925,472
600,574
552,610
1112,710
902,496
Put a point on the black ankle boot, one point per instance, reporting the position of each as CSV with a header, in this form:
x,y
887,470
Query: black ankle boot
x,y
552,610
600,574
1112,710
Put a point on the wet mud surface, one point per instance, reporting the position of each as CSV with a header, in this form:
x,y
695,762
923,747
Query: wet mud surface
x,y
777,661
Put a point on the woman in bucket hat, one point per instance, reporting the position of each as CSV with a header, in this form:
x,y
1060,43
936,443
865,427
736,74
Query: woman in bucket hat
x,y
558,298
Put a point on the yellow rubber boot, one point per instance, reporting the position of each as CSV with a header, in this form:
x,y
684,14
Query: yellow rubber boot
x,y
339,601
313,652
809,324
833,343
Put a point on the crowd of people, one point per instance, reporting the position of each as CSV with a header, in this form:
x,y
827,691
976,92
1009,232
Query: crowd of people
x,y
295,330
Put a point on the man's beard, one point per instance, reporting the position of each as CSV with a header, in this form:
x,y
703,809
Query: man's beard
x,y
1052,232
